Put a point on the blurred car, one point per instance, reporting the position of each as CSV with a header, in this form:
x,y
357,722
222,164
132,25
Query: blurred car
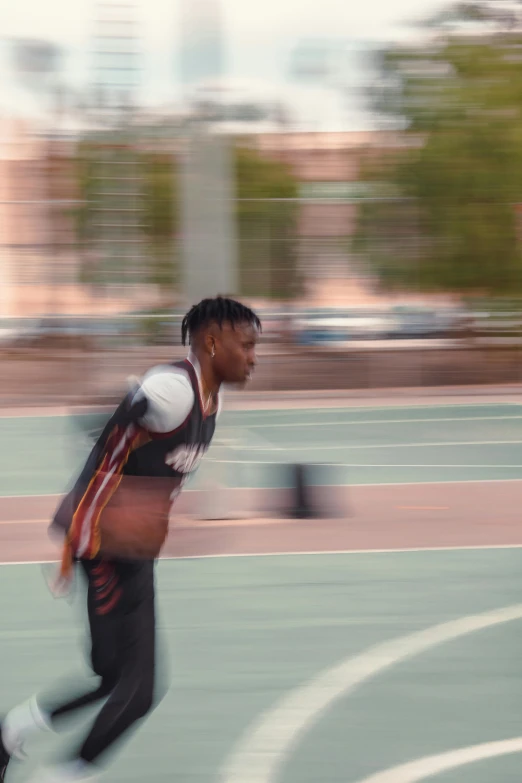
x,y
491,323
415,322
339,326
421,322
18,330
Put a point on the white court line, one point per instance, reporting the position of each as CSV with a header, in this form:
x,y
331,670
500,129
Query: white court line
x,y
268,742
365,408
427,767
25,497
233,436
248,447
308,553
366,422
23,521
317,463
62,412
349,486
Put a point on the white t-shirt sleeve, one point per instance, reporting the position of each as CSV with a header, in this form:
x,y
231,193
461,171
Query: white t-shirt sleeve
x,y
170,398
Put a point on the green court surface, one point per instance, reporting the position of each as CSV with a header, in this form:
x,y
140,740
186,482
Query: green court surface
x,y
303,668
367,445
249,640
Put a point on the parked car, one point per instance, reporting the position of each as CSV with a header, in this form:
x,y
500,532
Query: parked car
x,y
342,325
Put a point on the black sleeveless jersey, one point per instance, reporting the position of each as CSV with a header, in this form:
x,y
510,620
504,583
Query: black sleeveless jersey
x,y
126,448
178,453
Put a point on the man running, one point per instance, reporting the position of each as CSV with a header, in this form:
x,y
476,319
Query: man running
x,y
154,440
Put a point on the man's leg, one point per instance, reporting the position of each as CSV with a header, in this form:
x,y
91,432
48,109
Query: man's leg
x,y
105,611
133,694
103,597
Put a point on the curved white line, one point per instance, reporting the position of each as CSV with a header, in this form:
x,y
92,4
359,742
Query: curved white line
x,y
420,769
265,744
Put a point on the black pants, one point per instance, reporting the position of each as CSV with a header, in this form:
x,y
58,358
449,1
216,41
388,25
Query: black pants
x,y
120,602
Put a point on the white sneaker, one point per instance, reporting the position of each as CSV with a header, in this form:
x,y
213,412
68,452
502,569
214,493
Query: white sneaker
x,y
13,743
19,724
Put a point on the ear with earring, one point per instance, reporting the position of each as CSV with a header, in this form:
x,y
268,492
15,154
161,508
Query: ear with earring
x,y
213,352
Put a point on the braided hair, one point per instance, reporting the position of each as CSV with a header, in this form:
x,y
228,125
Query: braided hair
x,y
219,310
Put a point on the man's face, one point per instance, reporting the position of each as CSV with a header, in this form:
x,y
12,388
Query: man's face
x,y
235,352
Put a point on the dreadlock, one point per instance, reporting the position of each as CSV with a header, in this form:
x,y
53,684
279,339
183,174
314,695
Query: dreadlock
x,y
219,310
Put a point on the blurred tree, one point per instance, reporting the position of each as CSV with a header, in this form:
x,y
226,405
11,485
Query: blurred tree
x,y
266,220
267,213
160,209
157,213
455,100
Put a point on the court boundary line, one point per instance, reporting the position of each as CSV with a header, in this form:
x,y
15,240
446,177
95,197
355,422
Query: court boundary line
x,y
347,486
367,422
273,735
365,446
317,463
399,406
45,414
308,553
402,406
25,521
437,763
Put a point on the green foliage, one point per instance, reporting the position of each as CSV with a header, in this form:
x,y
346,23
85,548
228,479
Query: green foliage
x,y
266,219
267,213
160,213
458,176
135,192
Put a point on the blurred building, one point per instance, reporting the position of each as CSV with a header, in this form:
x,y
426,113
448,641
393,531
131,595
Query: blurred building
x,y
24,214
40,256
329,169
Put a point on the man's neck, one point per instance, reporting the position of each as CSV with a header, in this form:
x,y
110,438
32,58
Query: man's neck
x,y
207,381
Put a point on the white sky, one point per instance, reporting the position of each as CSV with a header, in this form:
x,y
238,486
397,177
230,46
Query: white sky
x,y
259,39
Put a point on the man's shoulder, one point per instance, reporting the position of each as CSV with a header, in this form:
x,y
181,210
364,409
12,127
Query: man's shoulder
x,y
170,397
172,378
174,369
